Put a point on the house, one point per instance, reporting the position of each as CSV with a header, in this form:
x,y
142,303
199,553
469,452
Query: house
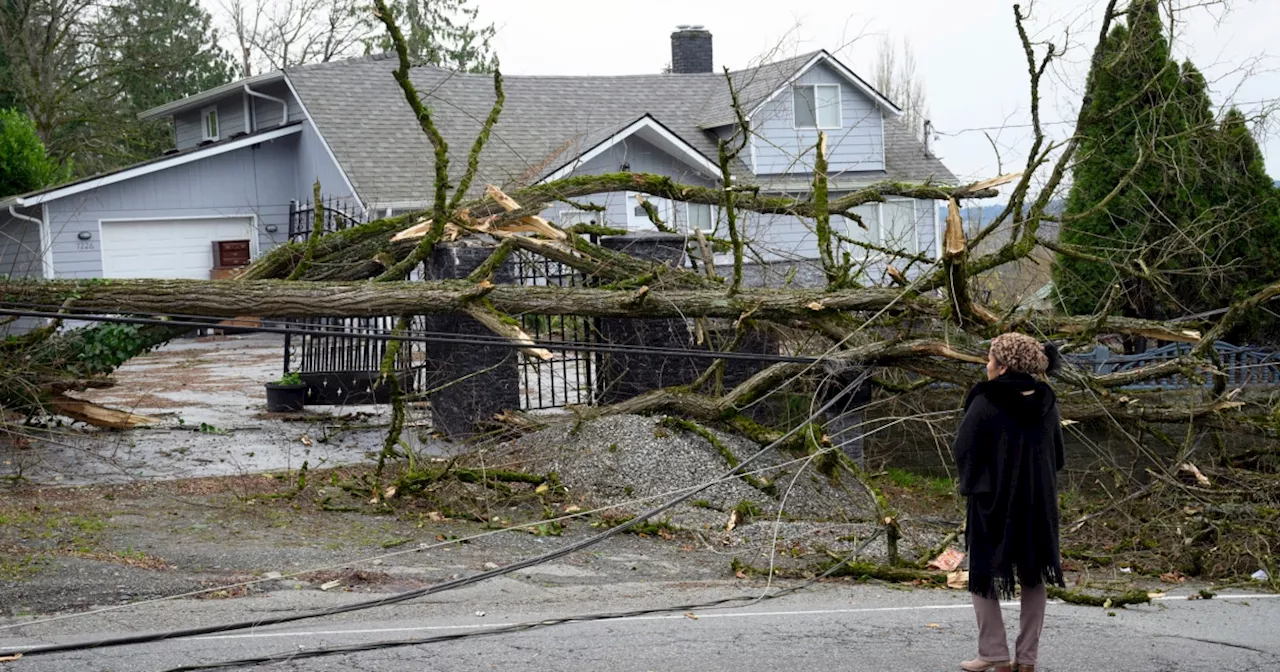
x,y
248,152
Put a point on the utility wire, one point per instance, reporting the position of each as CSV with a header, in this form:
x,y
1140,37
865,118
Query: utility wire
x,y
422,547
976,129
214,322
447,585
528,625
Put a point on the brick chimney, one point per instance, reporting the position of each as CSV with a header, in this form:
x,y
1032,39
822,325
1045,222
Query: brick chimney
x,y
691,50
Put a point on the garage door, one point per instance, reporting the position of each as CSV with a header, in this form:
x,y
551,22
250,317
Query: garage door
x,y
176,248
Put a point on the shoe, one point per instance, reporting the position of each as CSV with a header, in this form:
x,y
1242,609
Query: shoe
x,y
1018,667
980,665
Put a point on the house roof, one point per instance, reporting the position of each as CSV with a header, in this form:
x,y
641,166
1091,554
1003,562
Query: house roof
x,y
215,93
170,160
546,122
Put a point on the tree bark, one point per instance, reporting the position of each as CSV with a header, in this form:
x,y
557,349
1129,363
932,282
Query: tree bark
x,y
277,298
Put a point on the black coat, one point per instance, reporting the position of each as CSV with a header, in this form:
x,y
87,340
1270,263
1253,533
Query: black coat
x,y
1009,451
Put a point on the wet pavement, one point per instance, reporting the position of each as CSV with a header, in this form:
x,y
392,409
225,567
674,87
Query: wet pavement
x,y
207,397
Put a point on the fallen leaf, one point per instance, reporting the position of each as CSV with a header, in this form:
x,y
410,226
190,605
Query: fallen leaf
x,y
435,516
573,508
1107,604
947,560
690,615
1173,577
935,626
733,521
740,574
542,488
389,492
958,580
331,585
306,440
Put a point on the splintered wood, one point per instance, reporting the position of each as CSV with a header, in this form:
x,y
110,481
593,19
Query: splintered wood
x,y
98,416
529,224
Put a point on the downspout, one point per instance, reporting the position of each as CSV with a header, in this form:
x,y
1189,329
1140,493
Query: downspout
x,y
284,105
248,127
46,245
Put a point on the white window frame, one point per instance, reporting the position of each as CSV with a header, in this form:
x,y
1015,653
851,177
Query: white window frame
x,y
205,113
915,223
711,215
876,237
635,222
817,121
564,215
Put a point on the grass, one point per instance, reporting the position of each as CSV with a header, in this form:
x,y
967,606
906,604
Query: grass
x,y
910,480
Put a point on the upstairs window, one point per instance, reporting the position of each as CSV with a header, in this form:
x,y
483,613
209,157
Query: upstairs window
x,y
210,115
817,105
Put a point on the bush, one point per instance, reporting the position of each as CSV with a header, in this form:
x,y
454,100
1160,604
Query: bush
x,y
24,164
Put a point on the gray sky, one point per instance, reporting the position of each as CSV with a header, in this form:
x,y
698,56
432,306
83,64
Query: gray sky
x,y
967,52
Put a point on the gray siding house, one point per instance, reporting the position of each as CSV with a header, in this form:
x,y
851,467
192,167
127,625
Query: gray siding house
x,y
247,152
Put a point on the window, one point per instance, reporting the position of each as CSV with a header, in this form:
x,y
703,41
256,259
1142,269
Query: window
x,y
571,217
898,230
701,219
638,218
210,123
816,105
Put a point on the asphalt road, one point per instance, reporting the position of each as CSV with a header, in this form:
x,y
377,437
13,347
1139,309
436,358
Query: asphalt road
x,y
829,627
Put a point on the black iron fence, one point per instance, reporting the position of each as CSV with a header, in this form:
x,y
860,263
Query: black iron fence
x,y
569,378
337,213
341,363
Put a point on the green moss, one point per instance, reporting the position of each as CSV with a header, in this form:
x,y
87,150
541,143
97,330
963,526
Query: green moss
x,y
729,458
1106,601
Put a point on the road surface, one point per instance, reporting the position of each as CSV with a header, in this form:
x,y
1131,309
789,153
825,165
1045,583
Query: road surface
x,y
828,627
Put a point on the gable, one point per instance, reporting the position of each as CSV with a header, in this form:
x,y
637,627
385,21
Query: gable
x,y
644,146
784,146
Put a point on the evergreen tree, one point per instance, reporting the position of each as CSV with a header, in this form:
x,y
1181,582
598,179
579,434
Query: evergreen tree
x,y
440,33
158,51
24,164
1198,200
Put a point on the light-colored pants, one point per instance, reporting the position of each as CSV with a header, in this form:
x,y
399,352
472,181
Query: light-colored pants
x,y
993,644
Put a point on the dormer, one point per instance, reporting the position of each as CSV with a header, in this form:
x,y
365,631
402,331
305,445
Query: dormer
x,y
240,108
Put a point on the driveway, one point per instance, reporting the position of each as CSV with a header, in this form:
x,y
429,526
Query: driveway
x,y
208,398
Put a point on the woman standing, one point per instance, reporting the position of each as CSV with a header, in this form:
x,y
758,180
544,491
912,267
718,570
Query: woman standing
x,y
1008,451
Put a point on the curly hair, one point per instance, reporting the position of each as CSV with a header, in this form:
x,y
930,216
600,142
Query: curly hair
x,y
1024,354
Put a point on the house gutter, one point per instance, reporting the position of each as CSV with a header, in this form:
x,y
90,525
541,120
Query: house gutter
x,y
284,105
46,239
17,215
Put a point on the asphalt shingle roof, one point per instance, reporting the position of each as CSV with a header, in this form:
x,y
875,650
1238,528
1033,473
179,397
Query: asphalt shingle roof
x,y
545,121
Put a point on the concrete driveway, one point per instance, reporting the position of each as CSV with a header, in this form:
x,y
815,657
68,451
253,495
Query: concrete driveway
x,y
208,397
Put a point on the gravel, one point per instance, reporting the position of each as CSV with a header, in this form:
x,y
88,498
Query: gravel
x,y
615,461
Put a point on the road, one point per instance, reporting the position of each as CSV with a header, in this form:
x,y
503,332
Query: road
x,y
828,627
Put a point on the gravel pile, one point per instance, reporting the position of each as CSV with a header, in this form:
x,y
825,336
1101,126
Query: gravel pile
x,y
616,460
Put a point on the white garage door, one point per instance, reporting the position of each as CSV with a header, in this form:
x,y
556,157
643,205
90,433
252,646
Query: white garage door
x,y
176,248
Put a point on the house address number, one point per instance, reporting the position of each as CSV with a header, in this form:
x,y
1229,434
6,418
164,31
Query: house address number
x,y
84,245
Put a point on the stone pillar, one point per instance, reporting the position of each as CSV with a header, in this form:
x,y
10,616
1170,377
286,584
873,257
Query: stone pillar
x,y
845,418
622,376
479,381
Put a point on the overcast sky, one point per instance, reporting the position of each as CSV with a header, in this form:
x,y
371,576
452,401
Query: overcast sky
x,y
967,51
